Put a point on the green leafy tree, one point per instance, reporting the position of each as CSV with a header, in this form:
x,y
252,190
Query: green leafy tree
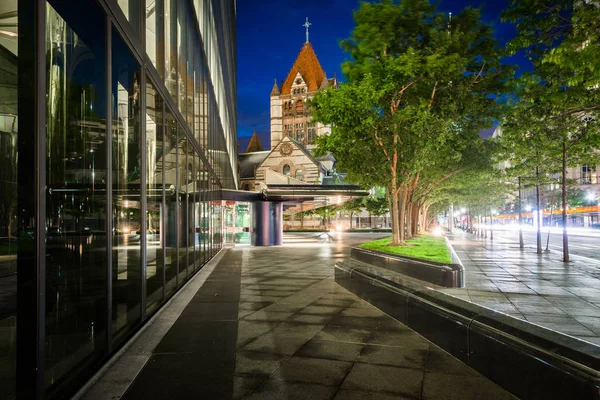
x,y
561,39
417,91
351,207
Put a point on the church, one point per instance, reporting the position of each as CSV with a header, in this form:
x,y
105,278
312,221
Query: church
x,y
293,132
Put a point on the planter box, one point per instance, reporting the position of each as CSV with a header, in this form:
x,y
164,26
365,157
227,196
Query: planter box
x,y
447,275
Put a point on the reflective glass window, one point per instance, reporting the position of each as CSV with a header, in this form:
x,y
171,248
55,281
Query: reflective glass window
x,y
131,9
170,224
155,34
198,213
170,29
126,201
76,175
9,226
192,47
197,90
191,192
154,198
182,190
181,55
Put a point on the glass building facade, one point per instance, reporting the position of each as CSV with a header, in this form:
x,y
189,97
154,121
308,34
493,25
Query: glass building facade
x,y
117,134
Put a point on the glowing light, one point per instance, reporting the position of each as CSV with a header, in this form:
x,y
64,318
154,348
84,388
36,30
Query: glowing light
x,y
125,230
528,208
591,196
437,231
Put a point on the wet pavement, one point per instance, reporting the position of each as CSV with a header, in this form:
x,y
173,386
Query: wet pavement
x,y
537,288
271,323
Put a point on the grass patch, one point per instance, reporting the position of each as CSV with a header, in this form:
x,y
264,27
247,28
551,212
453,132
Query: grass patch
x,y
426,247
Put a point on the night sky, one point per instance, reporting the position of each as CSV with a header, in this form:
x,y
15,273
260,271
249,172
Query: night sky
x,y
270,35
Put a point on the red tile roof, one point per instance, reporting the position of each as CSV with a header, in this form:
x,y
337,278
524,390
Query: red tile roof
x,y
309,67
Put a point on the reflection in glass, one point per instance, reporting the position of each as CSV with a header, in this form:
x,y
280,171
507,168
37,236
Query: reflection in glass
x,y
198,213
191,172
155,34
182,191
126,176
171,47
182,56
170,214
9,235
131,9
76,302
154,197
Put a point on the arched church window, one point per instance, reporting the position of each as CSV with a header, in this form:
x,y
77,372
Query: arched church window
x,y
299,107
286,170
300,135
299,174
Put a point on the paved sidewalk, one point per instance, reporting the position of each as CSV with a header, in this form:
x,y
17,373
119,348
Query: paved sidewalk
x,y
271,323
537,288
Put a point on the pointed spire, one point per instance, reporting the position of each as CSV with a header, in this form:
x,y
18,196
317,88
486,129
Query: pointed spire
x,y
275,90
254,144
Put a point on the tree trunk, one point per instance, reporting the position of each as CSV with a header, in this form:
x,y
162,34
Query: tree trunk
x,y
397,237
409,220
491,225
416,220
521,243
426,220
451,219
537,213
564,203
351,216
549,226
402,215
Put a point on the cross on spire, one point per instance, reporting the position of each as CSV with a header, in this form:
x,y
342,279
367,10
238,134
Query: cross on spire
x,y
307,25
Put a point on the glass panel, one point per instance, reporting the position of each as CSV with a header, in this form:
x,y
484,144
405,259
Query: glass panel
x,y
191,190
192,46
198,214
154,198
197,90
131,9
170,215
155,34
76,257
126,174
171,47
182,205
181,55
9,227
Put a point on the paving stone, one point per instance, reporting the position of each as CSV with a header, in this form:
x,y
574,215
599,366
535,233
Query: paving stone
x,y
443,386
379,378
394,356
257,363
344,394
244,385
280,390
331,350
343,334
276,344
313,370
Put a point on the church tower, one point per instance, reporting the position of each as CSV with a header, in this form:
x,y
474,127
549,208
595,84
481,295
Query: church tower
x,y
290,114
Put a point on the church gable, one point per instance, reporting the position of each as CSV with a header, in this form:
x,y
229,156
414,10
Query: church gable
x,y
308,66
289,159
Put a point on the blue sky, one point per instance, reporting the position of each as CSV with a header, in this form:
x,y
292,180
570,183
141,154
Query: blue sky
x,y
270,35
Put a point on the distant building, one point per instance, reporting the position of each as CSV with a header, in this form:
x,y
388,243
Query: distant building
x,y
293,132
